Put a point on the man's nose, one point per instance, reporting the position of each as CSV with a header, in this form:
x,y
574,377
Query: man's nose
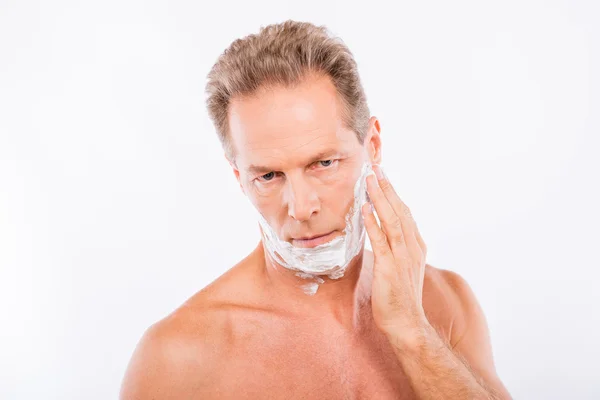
x,y
302,199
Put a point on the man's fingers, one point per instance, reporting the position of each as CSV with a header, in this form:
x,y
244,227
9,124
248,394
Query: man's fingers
x,y
421,242
409,226
390,222
396,202
378,238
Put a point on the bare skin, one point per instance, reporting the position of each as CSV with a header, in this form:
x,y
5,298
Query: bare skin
x,y
242,338
253,333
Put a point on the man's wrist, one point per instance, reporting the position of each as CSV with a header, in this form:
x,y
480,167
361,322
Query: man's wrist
x,y
410,339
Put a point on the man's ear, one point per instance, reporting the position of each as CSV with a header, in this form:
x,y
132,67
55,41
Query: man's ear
x,y
373,141
236,172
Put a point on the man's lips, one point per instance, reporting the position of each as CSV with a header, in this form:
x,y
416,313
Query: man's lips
x,y
313,241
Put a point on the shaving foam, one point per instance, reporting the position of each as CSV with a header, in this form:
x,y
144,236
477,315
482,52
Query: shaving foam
x,y
328,259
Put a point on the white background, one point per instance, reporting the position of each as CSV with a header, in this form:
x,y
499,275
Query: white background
x,y
116,203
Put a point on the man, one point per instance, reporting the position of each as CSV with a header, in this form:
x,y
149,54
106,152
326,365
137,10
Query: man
x,y
310,314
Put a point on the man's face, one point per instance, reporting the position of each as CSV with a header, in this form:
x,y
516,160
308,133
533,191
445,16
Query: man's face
x,y
296,161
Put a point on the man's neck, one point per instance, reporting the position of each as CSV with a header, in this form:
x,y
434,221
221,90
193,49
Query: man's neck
x,y
341,299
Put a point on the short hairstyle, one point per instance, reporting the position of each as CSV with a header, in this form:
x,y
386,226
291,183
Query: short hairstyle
x,y
284,54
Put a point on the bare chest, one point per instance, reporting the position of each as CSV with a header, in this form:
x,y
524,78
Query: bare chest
x,y
334,368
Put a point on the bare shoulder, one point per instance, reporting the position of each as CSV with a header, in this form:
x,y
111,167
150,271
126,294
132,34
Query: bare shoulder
x,y
447,300
183,355
459,309
176,356
468,312
448,284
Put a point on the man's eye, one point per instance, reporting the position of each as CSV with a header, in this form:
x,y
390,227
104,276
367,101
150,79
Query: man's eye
x,y
268,177
326,163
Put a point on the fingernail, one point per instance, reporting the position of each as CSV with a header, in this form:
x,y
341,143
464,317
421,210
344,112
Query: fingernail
x,y
378,172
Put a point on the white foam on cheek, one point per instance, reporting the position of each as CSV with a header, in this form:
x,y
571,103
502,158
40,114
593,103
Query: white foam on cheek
x,y
330,259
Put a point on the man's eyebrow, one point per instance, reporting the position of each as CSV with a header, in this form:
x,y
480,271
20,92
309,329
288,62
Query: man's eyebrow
x,y
258,169
322,155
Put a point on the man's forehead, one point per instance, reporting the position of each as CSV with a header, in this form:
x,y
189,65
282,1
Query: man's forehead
x,y
310,101
286,129
282,122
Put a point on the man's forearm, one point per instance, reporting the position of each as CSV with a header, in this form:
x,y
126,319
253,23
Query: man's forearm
x,y
434,371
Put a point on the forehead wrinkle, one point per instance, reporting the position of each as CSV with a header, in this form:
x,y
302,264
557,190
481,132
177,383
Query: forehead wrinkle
x,y
305,140
272,138
307,143
327,146
282,148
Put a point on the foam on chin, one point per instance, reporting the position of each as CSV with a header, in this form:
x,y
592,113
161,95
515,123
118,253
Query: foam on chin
x,y
331,258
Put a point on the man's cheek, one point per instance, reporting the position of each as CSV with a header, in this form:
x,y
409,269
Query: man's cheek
x,y
340,198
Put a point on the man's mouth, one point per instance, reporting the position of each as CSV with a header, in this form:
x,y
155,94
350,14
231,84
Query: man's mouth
x,y
313,241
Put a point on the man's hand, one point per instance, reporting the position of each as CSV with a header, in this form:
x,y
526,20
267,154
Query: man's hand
x,y
399,267
434,370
